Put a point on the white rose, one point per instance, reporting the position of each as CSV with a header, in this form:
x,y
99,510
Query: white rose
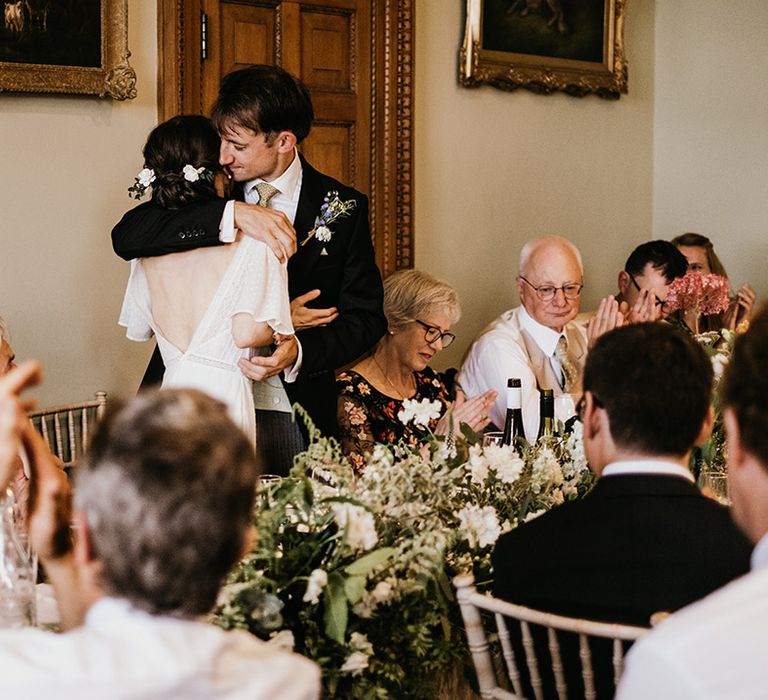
x,y
317,581
480,526
477,464
420,412
359,524
382,591
355,664
191,173
146,177
359,642
505,462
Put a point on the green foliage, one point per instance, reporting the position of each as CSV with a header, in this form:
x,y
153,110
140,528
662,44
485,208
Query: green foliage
x,y
358,568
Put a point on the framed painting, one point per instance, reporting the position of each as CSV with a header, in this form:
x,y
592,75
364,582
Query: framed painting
x,y
576,46
66,46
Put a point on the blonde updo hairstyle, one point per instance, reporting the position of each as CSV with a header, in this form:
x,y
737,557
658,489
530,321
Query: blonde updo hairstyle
x,y
412,294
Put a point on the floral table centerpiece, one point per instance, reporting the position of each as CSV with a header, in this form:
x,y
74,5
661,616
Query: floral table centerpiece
x,y
354,571
693,295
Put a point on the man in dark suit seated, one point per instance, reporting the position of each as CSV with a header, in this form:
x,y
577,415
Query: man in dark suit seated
x,y
262,113
645,539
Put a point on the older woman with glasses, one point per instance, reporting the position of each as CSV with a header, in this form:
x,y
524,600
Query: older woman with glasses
x,y
420,311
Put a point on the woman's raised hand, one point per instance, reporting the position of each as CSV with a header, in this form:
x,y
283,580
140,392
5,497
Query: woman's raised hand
x,y
474,412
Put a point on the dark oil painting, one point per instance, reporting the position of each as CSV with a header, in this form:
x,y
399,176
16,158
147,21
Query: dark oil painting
x,y
567,29
51,32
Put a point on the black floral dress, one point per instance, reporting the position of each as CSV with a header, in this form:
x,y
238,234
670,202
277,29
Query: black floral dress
x,y
366,416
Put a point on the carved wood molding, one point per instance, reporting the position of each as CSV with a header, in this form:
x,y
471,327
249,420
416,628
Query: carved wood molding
x,y
392,26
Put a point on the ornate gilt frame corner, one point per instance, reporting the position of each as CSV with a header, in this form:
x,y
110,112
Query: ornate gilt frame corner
x,y
541,74
113,78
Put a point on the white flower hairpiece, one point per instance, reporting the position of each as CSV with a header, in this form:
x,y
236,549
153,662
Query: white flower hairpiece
x,y
143,180
147,176
191,173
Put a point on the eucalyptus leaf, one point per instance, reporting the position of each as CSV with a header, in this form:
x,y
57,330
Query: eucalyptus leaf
x,y
354,587
370,561
336,609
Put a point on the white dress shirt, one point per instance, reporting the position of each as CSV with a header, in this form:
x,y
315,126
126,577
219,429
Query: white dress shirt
x,y
500,353
714,648
647,466
121,653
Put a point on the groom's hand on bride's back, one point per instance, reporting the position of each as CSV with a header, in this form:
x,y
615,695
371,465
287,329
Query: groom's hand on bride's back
x,y
269,226
283,356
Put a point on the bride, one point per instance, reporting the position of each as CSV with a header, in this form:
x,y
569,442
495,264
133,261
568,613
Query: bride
x,y
209,306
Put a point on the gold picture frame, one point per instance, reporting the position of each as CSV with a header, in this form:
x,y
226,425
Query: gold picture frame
x,y
574,46
38,45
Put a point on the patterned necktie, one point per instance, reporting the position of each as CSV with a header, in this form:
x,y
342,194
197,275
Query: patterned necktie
x,y
570,372
266,192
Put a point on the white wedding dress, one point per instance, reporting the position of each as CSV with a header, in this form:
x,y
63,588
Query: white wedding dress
x,y
253,282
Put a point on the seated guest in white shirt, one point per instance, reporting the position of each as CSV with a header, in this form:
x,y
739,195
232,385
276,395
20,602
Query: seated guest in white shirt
x,y
644,539
523,342
716,647
163,506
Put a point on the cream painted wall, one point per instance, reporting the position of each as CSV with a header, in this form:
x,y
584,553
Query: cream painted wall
x,y
67,163
685,148
711,130
493,169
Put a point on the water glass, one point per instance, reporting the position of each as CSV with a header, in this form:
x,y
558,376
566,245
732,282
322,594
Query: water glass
x,y
565,407
493,437
717,484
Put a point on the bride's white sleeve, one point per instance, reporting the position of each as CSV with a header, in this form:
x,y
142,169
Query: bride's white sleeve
x,y
263,288
134,314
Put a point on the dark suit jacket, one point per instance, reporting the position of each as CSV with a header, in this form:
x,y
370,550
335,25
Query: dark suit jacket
x,y
634,546
347,278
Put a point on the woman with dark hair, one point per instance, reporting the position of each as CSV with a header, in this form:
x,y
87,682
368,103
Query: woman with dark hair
x,y
208,306
701,256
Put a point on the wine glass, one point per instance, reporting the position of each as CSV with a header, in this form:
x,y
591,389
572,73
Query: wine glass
x,y
565,407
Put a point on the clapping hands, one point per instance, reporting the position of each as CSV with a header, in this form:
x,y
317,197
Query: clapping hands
x,y
474,412
13,416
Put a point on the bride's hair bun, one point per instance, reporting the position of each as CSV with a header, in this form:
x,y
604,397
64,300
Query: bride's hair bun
x,y
181,141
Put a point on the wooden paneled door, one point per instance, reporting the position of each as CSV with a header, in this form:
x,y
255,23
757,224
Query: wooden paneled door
x,y
355,56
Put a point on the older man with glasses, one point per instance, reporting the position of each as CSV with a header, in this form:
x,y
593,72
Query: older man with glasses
x,y
538,340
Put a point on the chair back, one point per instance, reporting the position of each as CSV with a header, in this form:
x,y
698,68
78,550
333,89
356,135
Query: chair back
x,y
66,428
472,605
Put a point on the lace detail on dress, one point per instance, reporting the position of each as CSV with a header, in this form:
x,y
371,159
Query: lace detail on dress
x,y
366,416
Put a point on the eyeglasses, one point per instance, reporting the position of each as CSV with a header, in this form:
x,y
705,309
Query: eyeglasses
x,y
547,292
657,301
432,333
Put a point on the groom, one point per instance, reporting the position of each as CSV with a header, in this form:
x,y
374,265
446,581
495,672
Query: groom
x,y
262,113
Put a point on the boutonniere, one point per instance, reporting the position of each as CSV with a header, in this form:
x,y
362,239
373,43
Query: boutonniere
x,y
331,210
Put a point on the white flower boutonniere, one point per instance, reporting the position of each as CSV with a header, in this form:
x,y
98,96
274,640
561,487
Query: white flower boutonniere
x,y
331,210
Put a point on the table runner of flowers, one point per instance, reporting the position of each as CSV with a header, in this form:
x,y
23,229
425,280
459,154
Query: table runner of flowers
x,y
354,571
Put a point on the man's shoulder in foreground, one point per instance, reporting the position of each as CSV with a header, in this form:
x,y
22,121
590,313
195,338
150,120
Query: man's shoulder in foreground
x,y
136,655
714,648
650,540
